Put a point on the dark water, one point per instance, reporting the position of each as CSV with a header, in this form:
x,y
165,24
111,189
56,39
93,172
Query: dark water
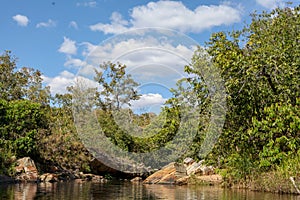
x,y
127,190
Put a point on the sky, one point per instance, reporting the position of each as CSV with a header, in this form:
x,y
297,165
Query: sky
x,y
155,39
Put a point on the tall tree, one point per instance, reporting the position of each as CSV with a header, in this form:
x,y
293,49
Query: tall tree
x,y
118,88
261,68
24,83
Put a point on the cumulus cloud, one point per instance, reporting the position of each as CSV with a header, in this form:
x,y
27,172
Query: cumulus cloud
x,y
49,23
59,84
147,101
68,46
270,3
172,15
148,58
117,25
21,20
74,62
73,24
87,4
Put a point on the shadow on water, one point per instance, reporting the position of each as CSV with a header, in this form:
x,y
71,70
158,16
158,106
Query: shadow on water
x,y
128,190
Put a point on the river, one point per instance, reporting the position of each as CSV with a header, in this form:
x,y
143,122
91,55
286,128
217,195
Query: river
x,y
127,190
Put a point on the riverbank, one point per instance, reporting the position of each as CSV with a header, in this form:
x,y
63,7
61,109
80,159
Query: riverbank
x,y
189,172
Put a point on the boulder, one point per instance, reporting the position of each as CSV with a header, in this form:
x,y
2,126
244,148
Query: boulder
x,y
117,167
194,168
26,170
207,170
167,175
182,181
188,161
98,179
48,177
199,169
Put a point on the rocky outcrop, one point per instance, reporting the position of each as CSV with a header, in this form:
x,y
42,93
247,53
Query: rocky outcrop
x,y
48,177
118,168
169,174
64,176
182,173
26,170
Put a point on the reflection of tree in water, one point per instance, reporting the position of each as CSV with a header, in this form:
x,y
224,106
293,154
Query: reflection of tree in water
x,y
124,190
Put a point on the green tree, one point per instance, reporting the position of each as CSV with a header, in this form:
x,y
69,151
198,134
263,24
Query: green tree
x,y
118,88
11,82
260,67
21,125
25,83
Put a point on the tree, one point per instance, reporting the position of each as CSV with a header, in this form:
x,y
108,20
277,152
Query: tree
x,y
11,82
25,83
260,67
118,88
21,124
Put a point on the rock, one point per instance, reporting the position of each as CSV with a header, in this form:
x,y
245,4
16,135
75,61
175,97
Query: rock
x,y
180,170
180,173
117,167
194,168
211,179
167,175
199,168
87,177
92,177
182,181
188,161
207,170
48,177
136,179
51,178
26,170
98,179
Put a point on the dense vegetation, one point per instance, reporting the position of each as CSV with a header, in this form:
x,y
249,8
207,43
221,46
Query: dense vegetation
x,y
260,67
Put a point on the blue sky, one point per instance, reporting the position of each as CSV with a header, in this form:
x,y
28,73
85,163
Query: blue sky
x,y
59,37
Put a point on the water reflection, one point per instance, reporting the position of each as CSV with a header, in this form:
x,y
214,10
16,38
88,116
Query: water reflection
x,y
128,190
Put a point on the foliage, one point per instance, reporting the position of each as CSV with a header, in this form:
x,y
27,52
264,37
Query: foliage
x,y
118,88
61,146
277,134
25,83
22,122
260,67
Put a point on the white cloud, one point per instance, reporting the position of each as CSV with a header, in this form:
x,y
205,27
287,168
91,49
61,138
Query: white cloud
x,y
49,23
74,62
21,20
73,24
59,83
271,3
147,58
87,4
118,25
148,100
172,15
68,46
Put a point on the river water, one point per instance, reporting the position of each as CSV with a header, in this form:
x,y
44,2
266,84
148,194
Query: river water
x,y
127,190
